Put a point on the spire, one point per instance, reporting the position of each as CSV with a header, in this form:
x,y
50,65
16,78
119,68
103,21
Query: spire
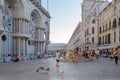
x,y
48,5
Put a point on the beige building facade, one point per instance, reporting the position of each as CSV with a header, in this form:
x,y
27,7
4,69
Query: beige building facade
x,y
24,27
109,26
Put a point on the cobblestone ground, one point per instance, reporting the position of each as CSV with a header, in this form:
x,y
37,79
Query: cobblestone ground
x,y
102,69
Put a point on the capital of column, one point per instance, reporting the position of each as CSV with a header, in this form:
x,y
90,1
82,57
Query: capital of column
x,y
21,35
41,41
20,18
41,28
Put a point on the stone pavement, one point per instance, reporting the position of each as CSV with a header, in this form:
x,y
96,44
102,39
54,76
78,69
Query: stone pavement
x,y
102,69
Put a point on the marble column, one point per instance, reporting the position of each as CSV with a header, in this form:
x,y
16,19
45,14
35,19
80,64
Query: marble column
x,y
1,17
41,47
26,46
37,36
20,35
15,47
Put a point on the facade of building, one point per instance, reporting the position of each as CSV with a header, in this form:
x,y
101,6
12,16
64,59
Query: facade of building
x,y
92,24
81,37
53,47
109,26
88,31
24,29
75,38
86,7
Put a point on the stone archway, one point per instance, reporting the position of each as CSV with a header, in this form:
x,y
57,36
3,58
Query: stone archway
x,y
46,36
36,32
14,24
17,7
20,26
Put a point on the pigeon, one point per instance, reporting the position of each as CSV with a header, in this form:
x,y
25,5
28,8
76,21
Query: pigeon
x,y
43,68
47,69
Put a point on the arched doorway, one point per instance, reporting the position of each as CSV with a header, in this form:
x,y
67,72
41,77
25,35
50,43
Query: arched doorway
x,y
19,26
35,33
13,11
46,36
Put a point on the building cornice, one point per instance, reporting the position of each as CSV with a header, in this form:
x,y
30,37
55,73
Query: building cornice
x,y
41,8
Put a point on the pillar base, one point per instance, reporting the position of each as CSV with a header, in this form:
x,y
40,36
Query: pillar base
x,y
1,30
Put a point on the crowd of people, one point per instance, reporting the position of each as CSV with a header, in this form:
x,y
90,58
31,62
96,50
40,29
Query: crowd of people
x,y
73,55
16,58
76,54
11,58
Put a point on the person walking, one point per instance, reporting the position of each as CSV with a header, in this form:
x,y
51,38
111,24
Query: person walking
x,y
76,55
57,54
116,56
97,54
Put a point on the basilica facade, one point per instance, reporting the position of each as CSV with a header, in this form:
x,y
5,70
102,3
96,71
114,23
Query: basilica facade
x,y
24,27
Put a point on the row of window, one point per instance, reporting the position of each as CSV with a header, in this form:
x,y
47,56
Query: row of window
x,y
105,39
111,25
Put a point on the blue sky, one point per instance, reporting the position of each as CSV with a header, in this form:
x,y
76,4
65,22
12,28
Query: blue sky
x,y
65,14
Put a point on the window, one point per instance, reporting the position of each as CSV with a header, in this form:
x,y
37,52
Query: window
x,y
103,28
114,23
3,37
92,30
109,39
93,21
100,29
103,39
114,37
99,40
109,24
119,35
9,7
106,26
92,39
4,17
28,42
119,21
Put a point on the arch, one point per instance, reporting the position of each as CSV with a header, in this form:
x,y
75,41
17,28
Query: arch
x,y
46,27
17,8
37,18
37,15
35,22
46,31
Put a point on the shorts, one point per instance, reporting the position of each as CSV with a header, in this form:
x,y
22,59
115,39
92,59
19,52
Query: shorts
x,y
57,60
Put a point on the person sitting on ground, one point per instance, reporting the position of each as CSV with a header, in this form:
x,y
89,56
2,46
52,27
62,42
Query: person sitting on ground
x,y
9,58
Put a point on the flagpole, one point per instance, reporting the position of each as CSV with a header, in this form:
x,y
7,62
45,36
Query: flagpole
x,y
48,5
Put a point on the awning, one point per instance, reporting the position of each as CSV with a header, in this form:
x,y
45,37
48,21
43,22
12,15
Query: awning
x,y
108,47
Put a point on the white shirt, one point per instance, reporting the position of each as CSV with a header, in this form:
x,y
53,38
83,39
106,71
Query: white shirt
x,y
97,52
57,55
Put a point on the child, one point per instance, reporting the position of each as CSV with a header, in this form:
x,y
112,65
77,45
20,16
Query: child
x,y
57,58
